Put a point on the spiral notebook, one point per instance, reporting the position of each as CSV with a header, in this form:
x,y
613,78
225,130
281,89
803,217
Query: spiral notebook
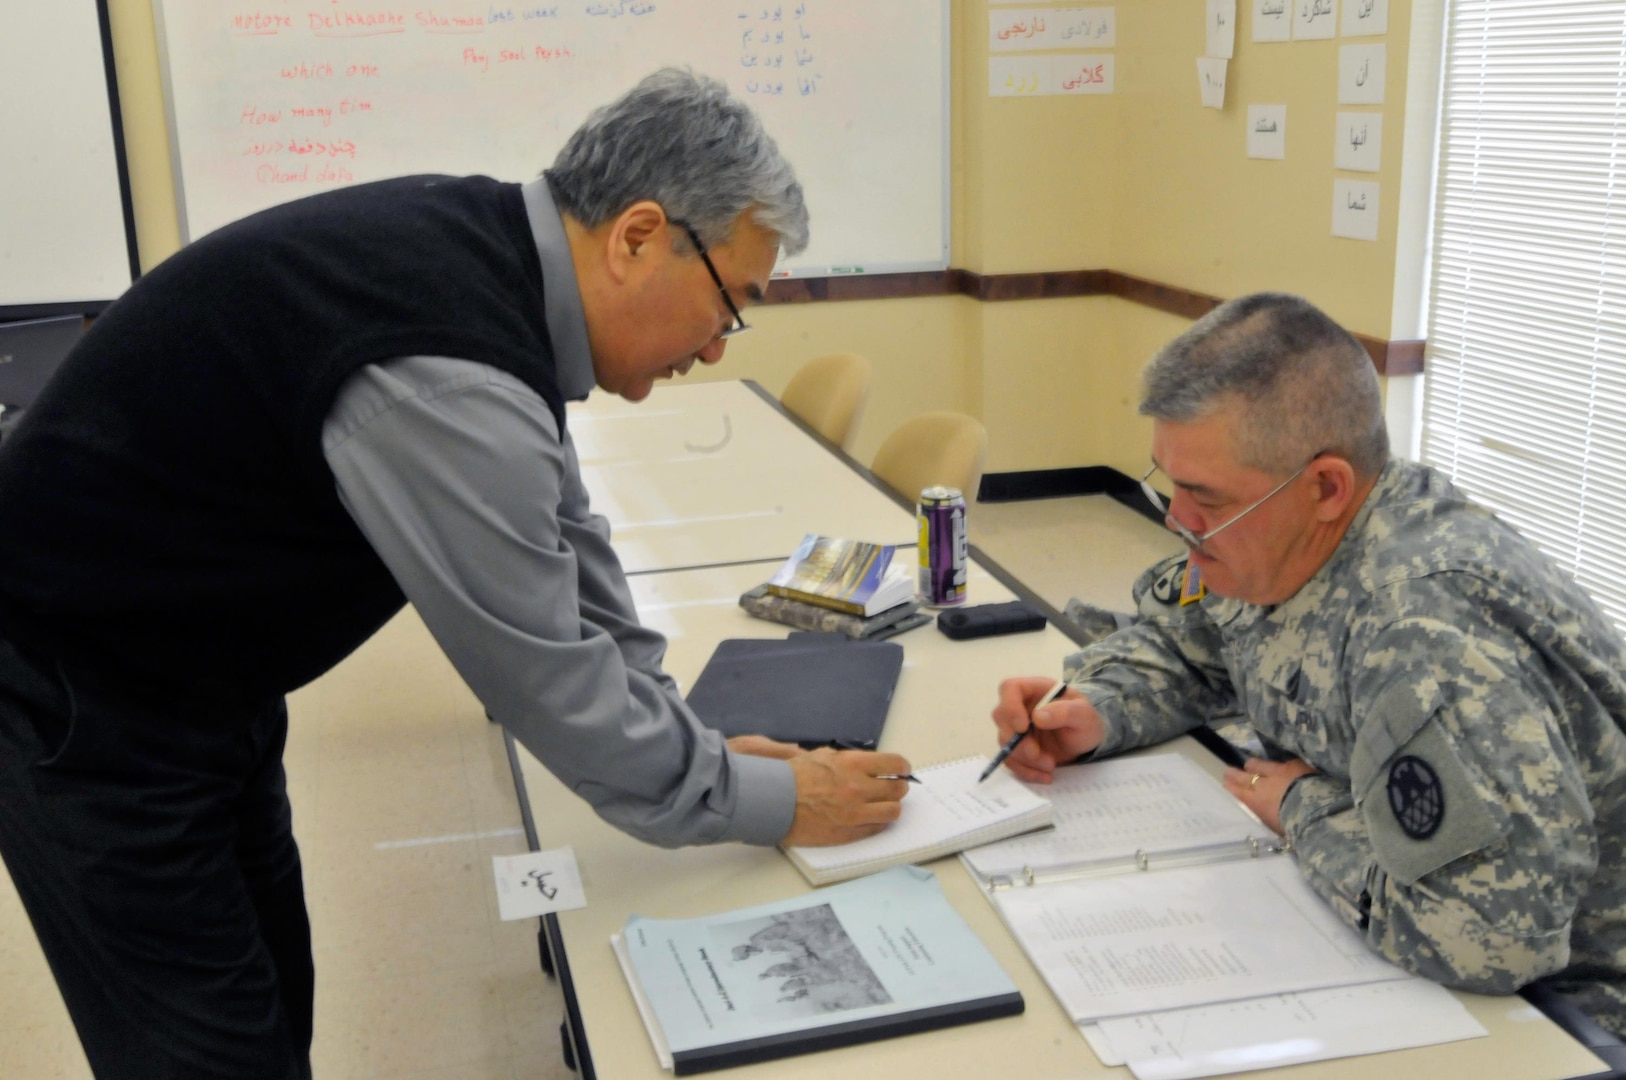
x,y
947,812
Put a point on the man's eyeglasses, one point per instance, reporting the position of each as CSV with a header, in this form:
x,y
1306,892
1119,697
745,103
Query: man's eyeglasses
x,y
739,326
1191,539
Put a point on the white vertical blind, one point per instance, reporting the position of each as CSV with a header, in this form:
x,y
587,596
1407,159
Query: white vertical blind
x,y
1525,403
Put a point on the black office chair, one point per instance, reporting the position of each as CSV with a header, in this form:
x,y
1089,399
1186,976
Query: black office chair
x,y
1582,1028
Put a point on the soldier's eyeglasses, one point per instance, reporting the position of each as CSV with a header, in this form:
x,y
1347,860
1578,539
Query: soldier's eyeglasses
x,y
1192,540
739,326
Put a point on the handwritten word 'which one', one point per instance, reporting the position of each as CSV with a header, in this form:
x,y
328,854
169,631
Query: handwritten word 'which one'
x,y
321,69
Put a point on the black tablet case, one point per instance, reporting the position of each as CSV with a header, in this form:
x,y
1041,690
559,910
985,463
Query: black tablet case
x,y
811,688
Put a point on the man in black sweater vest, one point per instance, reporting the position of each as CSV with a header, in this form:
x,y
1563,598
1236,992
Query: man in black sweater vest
x,y
269,444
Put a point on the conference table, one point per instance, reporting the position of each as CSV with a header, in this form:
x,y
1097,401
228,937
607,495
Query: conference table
x,y
706,493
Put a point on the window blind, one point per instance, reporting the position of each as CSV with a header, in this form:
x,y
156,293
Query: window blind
x,y
1525,402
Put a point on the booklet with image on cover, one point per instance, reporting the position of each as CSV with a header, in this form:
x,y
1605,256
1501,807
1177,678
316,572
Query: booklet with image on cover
x,y
881,956
845,575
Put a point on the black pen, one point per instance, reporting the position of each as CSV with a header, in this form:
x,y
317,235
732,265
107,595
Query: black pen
x,y
850,744
1011,743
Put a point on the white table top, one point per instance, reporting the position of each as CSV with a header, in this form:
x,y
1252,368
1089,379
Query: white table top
x,y
710,473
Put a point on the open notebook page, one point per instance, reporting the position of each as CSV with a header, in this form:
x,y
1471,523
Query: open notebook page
x,y
1108,810
945,813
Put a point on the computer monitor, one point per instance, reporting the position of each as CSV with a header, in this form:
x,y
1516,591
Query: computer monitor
x,y
29,352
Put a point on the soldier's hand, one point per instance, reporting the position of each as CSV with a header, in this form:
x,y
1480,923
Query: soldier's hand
x,y
1064,730
1261,785
844,795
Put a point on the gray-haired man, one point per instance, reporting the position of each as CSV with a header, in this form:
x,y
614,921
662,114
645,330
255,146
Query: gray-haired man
x,y
271,442
1441,706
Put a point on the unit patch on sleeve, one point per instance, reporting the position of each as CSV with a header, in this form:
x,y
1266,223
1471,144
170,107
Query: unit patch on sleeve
x,y
1416,796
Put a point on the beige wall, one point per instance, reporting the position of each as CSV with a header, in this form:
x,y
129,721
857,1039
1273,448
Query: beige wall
x,y
1142,180
1209,218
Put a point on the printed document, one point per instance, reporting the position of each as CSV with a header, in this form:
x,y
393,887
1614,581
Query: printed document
x,y
1144,942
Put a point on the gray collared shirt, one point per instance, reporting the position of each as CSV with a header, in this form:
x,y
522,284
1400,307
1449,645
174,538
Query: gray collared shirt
x,y
457,474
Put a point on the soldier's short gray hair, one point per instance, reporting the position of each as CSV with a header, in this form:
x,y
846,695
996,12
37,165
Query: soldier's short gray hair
x,y
680,139
1305,385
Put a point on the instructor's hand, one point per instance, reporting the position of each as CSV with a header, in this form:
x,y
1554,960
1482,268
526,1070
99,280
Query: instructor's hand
x,y
841,795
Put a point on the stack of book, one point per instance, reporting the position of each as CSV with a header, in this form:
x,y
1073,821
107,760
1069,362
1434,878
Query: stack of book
x,y
862,590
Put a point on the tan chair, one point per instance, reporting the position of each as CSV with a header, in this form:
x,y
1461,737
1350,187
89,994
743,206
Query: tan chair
x,y
933,448
828,394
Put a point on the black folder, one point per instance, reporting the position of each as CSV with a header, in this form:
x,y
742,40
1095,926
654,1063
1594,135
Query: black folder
x,y
811,688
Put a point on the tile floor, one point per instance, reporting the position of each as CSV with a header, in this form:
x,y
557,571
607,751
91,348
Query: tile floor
x,y
399,816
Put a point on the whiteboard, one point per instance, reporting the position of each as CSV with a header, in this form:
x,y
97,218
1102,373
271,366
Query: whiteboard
x,y
274,100
66,243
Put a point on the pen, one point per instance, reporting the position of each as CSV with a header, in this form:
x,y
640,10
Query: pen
x,y
852,744
1010,743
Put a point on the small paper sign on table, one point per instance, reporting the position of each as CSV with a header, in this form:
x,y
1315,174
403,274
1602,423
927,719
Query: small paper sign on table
x,y
538,883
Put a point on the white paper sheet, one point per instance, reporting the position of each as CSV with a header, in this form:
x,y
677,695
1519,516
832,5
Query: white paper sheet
x,y
1089,73
944,809
1169,939
1267,131
1112,810
1355,209
1365,18
1017,29
1358,141
537,883
1315,20
1272,20
1263,1033
1221,28
1211,81
1361,74
1018,76
1037,76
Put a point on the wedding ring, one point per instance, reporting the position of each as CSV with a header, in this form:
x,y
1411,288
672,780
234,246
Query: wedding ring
x,y
1254,782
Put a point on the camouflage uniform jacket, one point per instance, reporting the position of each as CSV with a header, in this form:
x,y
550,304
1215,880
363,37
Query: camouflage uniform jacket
x,y
1462,700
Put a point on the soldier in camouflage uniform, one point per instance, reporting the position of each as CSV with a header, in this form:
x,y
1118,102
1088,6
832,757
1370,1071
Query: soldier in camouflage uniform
x,y
1440,705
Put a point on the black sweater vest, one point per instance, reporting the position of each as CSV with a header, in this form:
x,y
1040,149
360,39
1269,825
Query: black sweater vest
x,y
166,514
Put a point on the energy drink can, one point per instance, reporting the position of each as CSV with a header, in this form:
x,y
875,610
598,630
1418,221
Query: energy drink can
x,y
941,514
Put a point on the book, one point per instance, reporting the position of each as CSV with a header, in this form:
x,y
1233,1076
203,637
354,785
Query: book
x,y
812,690
804,616
1158,891
845,575
947,812
875,958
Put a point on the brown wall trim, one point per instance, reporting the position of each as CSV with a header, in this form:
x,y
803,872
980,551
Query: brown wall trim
x,y
864,287
1389,357
1169,298
1042,286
